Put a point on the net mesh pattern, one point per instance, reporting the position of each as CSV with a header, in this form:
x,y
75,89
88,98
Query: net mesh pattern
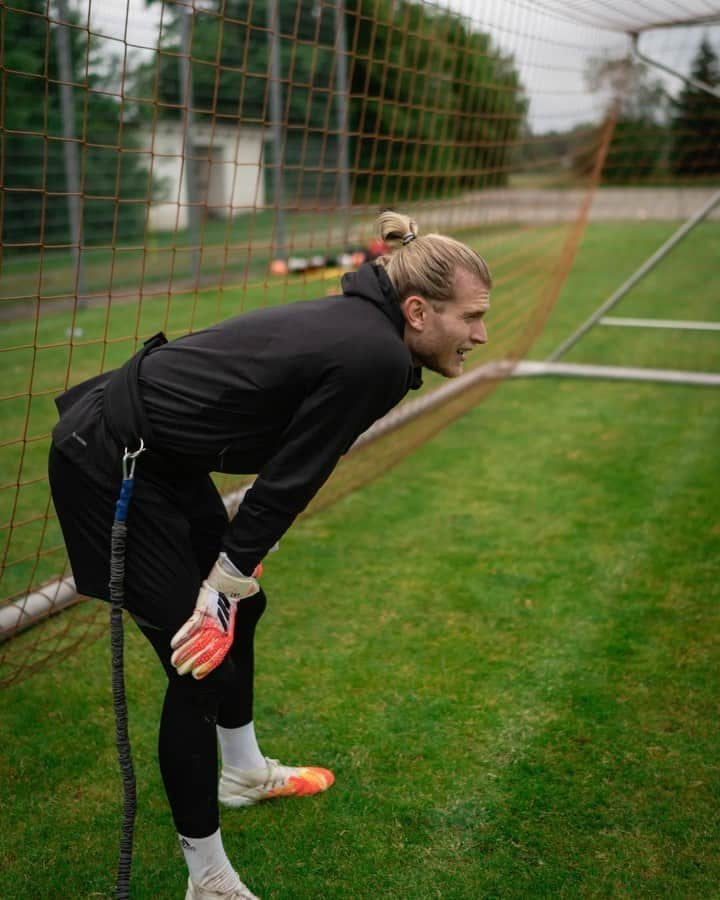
x,y
166,165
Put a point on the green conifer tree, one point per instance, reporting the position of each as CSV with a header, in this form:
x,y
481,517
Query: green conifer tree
x,y
695,124
113,183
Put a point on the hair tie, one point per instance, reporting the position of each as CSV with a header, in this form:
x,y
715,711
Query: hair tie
x,y
408,237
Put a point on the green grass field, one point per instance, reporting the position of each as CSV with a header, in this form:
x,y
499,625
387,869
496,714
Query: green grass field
x,y
506,648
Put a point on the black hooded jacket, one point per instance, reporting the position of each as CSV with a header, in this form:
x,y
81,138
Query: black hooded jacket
x,y
281,392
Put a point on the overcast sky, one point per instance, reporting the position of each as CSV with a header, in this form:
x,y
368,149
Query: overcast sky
x,y
551,51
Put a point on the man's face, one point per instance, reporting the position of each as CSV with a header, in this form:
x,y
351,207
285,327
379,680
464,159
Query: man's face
x,y
440,337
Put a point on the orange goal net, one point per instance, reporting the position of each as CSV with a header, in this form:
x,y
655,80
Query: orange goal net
x,y
169,164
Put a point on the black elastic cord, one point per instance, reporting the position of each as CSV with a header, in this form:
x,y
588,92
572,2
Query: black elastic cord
x,y
118,547
122,737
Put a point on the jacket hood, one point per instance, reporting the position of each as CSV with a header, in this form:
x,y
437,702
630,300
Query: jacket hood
x,y
371,282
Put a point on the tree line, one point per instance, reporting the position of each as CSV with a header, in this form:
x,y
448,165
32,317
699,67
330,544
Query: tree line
x,y
658,136
432,106
34,202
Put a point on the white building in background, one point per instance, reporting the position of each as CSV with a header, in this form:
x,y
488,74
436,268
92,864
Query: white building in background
x,y
228,171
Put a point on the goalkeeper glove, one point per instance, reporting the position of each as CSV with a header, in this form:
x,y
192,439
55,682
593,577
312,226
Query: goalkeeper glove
x,y
204,640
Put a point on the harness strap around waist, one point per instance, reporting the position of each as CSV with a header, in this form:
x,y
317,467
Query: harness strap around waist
x,y
122,404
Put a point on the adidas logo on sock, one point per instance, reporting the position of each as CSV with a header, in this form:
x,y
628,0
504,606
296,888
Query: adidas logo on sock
x,y
185,844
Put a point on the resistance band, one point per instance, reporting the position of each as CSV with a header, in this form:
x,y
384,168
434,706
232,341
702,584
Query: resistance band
x,y
118,543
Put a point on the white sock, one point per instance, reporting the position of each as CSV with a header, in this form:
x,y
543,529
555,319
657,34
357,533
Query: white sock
x,y
207,862
239,747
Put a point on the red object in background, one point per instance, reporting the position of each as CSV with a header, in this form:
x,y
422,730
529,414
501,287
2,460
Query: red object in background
x,y
279,267
377,247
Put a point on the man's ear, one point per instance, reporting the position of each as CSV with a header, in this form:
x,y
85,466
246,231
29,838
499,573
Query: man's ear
x,y
415,311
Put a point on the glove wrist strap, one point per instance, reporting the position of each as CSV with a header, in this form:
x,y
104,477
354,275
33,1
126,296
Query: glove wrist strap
x,y
235,587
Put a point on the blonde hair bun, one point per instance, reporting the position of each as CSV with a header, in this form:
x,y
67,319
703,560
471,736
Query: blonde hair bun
x,y
396,228
428,265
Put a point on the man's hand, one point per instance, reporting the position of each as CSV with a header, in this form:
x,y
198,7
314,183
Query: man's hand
x,y
204,640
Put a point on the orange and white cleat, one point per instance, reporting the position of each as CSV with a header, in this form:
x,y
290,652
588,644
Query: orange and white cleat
x,y
244,787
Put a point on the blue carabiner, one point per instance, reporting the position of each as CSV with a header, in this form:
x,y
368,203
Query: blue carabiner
x,y
128,469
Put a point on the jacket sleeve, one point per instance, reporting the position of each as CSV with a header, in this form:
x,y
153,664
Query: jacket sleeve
x,y
324,426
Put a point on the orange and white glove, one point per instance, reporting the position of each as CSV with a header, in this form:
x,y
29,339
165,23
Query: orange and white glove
x,y
204,640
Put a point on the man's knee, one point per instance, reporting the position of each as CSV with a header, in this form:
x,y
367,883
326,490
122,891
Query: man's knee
x,y
204,694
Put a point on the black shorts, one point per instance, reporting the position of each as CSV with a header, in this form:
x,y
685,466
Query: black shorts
x,y
175,527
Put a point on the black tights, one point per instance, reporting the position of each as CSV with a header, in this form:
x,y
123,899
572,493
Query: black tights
x,y
187,743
